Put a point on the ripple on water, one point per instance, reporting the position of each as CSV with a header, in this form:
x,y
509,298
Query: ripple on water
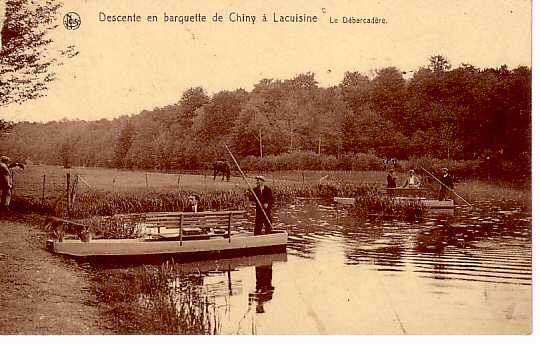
x,y
489,245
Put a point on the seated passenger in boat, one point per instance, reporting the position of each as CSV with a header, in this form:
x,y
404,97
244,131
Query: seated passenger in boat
x,y
193,204
412,181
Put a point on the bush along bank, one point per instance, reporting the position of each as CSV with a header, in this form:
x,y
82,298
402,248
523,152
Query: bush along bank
x,y
486,167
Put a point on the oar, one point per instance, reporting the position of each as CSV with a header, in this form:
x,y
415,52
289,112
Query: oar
x,y
445,186
251,189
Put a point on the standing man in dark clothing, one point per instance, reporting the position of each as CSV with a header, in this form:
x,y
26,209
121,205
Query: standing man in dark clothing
x,y
390,182
264,194
391,179
447,181
6,183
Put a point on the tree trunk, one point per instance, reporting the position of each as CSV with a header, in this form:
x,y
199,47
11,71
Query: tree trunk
x,y
260,143
291,144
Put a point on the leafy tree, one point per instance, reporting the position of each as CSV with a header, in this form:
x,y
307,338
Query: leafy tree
x,y
5,126
320,126
26,66
217,117
388,93
66,153
439,63
192,99
250,127
123,144
25,62
355,88
298,103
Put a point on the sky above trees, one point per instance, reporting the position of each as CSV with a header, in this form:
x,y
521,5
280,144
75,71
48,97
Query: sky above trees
x,y
126,68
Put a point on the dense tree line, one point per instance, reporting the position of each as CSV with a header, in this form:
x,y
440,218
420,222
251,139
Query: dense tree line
x,y
443,112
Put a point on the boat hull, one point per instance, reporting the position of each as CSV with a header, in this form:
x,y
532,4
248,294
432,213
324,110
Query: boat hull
x,y
344,201
428,203
238,245
425,202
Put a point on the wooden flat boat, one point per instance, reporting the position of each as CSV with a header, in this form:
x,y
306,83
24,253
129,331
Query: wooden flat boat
x,y
236,245
344,200
419,195
166,235
412,195
427,203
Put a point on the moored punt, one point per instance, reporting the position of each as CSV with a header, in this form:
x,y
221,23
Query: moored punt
x,y
183,235
218,246
428,203
403,195
418,195
344,200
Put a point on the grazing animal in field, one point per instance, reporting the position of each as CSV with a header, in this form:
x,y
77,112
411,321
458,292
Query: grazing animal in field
x,y
224,168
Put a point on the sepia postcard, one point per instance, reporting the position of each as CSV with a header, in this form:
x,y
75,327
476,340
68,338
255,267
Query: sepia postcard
x,y
325,167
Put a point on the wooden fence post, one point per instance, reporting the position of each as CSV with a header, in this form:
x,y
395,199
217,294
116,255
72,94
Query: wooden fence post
x,y
43,192
74,191
146,176
67,190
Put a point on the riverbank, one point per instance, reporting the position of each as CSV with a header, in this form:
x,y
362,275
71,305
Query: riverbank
x,y
41,294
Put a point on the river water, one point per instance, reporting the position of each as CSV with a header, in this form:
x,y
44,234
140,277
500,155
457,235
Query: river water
x,y
458,272
463,272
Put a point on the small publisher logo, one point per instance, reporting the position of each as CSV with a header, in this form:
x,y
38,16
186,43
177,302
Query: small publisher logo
x,y
72,21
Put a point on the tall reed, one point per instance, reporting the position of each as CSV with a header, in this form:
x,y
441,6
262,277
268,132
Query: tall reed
x,y
156,300
121,211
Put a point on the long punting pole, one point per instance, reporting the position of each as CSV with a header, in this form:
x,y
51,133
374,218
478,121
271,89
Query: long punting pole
x,y
251,189
445,186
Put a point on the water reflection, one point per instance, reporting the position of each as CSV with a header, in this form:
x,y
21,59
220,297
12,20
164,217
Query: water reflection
x,y
344,276
263,287
384,257
484,244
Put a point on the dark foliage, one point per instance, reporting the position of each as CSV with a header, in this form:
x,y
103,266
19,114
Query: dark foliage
x,y
447,114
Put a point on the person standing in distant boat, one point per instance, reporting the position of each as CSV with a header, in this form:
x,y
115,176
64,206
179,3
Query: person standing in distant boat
x,y
391,179
412,181
263,216
193,204
447,184
390,182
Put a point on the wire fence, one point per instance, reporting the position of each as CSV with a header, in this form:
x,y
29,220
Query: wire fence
x,y
45,183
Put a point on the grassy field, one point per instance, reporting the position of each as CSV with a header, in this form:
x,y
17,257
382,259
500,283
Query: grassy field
x,y
108,191
29,182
